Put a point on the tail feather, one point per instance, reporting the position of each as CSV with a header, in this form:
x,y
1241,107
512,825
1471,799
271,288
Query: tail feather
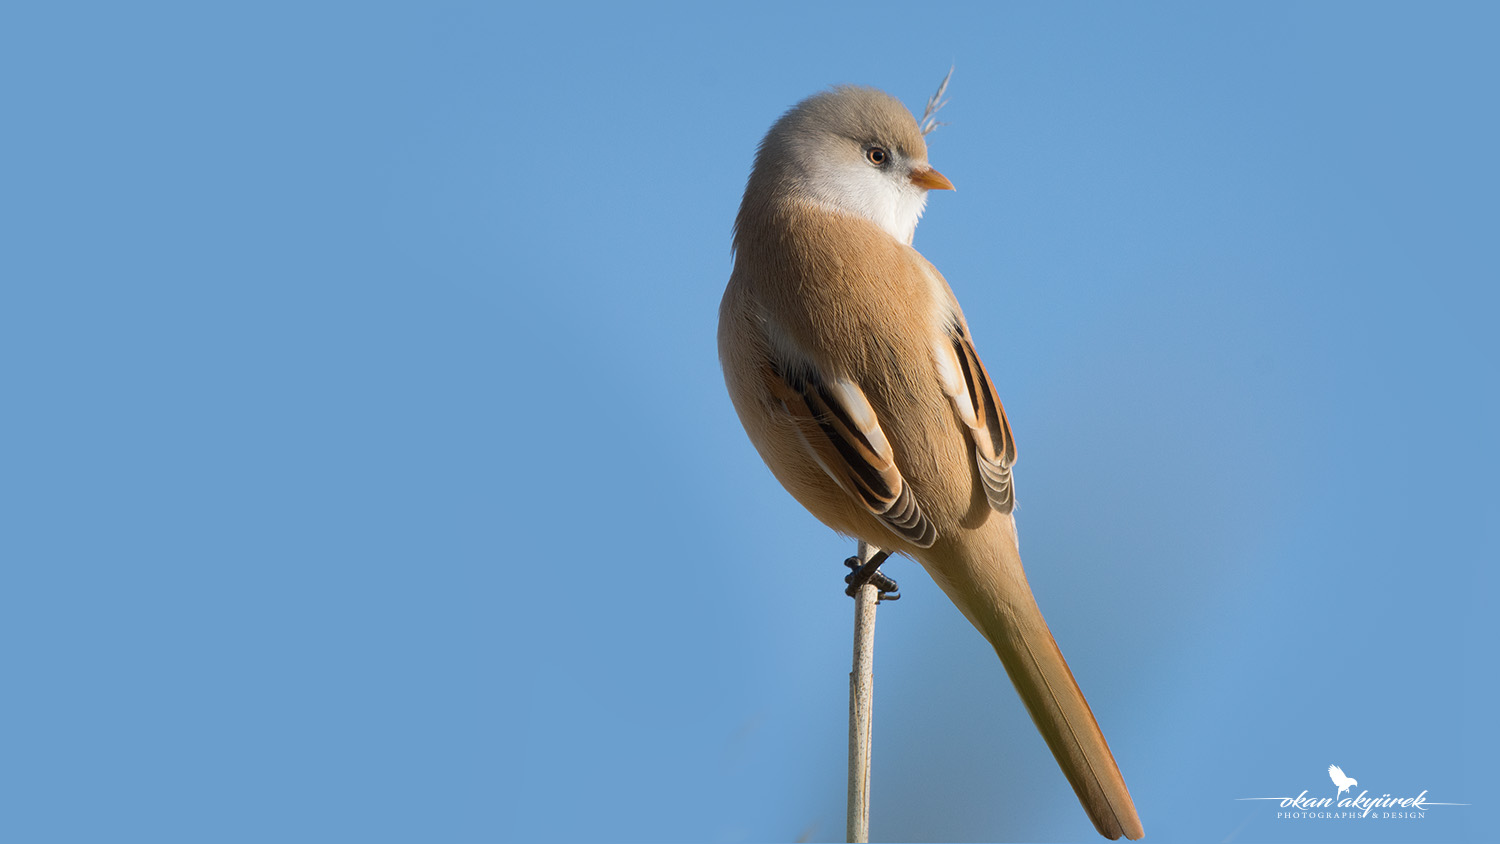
x,y
995,596
1062,715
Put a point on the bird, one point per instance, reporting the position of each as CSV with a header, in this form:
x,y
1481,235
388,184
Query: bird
x,y
1336,774
855,375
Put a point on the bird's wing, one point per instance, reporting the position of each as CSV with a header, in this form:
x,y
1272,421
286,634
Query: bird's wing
x,y
1336,773
973,394
840,430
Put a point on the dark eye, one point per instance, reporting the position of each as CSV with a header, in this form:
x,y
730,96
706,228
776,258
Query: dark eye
x,y
877,155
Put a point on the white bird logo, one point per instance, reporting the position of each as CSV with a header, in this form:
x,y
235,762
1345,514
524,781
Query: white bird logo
x,y
1337,775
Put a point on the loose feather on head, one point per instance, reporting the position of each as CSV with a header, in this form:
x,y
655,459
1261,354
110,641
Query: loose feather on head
x,y
934,104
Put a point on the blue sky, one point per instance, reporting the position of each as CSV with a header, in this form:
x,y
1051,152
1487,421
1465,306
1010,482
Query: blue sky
x,y
368,474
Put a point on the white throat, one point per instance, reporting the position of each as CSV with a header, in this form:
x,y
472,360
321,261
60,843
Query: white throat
x,y
883,198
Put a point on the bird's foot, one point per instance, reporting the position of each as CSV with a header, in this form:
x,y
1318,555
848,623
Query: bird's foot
x,y
870,573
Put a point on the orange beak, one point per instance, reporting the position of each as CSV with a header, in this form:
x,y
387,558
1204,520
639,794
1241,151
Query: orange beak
x,y
926,177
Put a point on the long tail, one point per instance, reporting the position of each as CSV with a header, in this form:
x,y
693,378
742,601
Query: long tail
x,y
991,589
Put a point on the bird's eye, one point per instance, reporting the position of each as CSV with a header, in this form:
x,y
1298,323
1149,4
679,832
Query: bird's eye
x,y
877,155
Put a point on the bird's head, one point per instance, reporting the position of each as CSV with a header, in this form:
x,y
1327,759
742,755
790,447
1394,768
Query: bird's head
x,y
856,150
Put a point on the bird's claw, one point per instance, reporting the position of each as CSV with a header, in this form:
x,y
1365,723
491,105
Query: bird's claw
x,y
870,573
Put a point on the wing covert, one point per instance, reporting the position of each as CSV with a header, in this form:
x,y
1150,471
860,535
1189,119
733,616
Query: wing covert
x,y
968,385
840,429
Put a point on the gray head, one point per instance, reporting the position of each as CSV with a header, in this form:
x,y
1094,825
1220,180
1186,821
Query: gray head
x,y
856,150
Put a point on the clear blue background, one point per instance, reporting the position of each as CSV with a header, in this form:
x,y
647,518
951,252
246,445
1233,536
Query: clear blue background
x,y
367,473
